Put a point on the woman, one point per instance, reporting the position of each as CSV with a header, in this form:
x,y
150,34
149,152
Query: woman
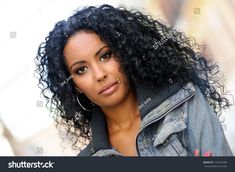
x,y
131,86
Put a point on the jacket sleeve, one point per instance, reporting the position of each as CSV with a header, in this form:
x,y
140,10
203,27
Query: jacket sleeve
x,y
204,131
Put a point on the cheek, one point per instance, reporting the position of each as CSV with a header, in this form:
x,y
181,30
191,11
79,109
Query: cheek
x,y
117,69
84,83
121,74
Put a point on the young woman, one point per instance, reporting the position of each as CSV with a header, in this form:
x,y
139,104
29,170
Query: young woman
x,y
131,86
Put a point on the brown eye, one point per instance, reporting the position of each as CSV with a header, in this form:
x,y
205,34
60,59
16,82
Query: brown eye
x,y
81,70
106,56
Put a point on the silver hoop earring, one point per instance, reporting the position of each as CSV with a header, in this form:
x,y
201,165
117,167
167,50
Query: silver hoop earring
x,y
88,110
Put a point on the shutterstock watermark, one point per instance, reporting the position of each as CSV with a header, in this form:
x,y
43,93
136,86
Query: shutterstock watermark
x,y
197,11
144,103
25,164
66,81
163,40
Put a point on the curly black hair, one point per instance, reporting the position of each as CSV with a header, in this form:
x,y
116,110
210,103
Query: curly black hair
x,y
148,51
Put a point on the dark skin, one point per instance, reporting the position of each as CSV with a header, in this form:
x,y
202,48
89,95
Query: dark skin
x,y
93,66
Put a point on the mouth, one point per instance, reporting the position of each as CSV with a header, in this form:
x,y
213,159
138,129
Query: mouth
x,y
109,89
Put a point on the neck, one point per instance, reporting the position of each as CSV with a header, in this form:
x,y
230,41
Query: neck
x,y
122,115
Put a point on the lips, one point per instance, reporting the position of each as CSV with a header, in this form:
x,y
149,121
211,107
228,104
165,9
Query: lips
x,y
109,88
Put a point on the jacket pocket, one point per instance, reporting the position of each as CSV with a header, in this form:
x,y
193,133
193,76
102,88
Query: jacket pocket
x,y
169,140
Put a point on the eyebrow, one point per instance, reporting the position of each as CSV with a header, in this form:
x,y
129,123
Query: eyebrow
x,y
82,61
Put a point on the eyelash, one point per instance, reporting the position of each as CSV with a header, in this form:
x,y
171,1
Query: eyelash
x,y
106,56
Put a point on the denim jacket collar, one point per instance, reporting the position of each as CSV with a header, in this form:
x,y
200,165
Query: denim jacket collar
x,y
148,100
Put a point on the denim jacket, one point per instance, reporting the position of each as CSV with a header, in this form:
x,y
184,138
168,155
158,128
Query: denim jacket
x,y
175,121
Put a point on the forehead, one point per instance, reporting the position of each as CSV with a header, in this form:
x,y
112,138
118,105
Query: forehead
x,y
82,44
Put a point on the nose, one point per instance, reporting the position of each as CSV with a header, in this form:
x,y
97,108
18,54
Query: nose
x,y
99,73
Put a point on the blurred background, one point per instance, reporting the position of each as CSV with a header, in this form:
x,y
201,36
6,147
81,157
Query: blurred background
x,y
26,127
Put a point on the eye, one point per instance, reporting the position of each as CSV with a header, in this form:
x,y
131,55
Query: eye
x,y
106,56
81,70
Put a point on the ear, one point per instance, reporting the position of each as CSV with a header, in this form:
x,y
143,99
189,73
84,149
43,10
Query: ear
x,y
79,90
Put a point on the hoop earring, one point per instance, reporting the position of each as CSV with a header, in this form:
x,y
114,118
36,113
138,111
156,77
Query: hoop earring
x,y
88,110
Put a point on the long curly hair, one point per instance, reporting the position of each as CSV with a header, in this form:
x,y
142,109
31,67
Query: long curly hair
x,y
148,50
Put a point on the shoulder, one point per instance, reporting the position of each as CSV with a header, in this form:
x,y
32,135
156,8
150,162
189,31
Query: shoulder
x,y
86,151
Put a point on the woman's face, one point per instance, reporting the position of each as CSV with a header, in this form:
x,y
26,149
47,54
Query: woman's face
x,y
94,69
